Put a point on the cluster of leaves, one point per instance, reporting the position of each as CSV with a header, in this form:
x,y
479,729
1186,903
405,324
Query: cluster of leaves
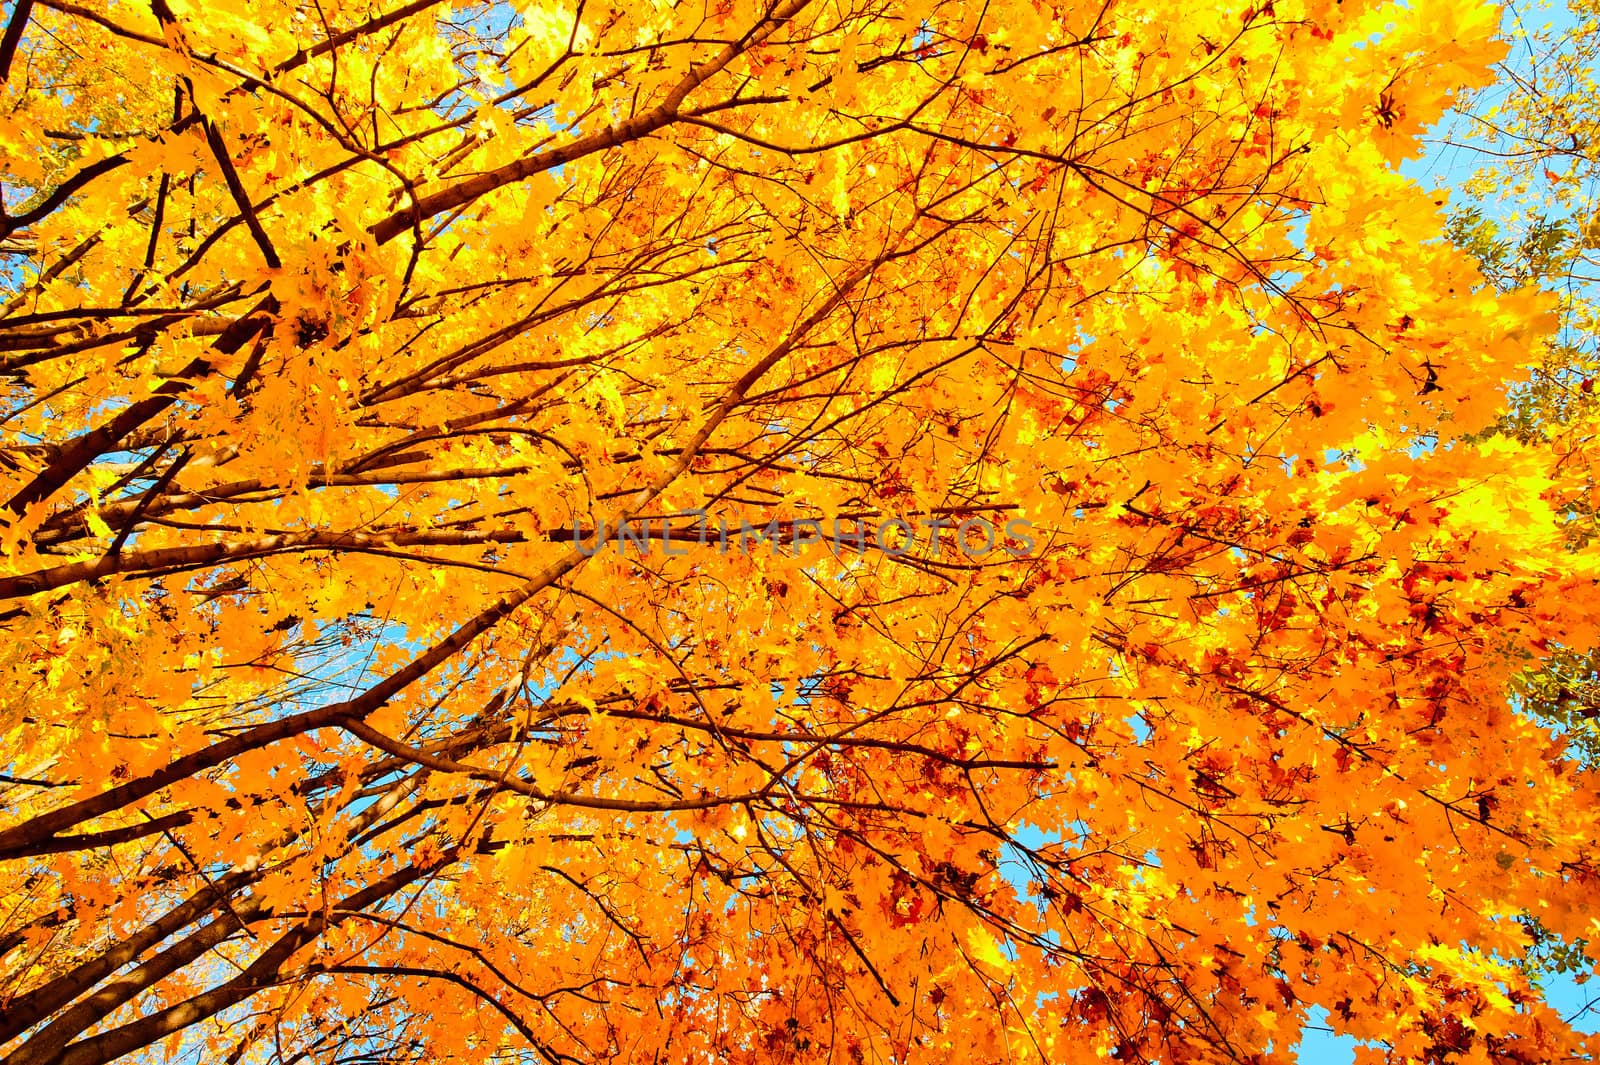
x,y
327,331
1531,212
1532,217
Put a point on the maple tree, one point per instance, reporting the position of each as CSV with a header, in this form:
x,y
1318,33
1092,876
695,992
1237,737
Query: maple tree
x,y
1533,213
1529,216
333,336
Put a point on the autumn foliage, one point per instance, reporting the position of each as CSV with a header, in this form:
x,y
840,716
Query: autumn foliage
x,y
328,326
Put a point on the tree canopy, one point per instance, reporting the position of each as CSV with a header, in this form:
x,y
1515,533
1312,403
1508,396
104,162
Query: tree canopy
x,y
1068,583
